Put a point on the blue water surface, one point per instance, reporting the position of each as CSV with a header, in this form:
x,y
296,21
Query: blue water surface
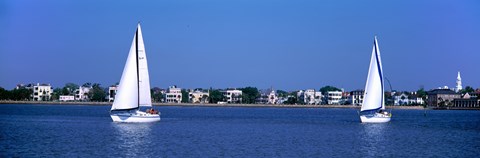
x,y
88,131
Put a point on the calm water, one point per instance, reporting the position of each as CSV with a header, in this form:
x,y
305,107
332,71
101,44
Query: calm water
x,y
86,131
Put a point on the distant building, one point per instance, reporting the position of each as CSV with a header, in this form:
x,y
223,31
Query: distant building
x,y
267,96
173,95
233,95
345,98
311,97
400,99
272,97
356,97
441,97
467,101
198,96
459,87
333,97
42,92
81,94
112,91
66,98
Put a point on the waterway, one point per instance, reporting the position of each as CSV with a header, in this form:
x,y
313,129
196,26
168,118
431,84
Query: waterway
x,y
34,130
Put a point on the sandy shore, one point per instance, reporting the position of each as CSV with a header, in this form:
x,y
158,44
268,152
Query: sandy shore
x,y
206,105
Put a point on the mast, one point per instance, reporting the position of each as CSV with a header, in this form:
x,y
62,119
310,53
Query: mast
x,y
138,70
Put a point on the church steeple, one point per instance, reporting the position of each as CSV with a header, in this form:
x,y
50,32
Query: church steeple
x,y
458,88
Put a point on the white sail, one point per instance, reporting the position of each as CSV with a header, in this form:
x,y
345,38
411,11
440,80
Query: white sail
x,y
374,90
127,93
144,80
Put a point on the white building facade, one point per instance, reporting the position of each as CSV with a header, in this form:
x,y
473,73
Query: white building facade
x,y
81,94
233,96
66,98
401,99
197,96
112,91
333,97
173,95
272,97
356,97
42,92
312,97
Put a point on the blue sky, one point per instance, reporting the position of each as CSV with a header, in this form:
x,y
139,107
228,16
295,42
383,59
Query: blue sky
x,y
287,44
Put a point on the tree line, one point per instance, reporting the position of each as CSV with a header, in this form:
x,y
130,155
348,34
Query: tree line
x,y
249,94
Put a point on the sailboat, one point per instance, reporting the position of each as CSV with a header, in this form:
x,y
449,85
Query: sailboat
x,y
373,106
134,88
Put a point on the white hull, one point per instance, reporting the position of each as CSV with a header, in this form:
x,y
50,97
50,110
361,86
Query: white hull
x,y
375,118
137,116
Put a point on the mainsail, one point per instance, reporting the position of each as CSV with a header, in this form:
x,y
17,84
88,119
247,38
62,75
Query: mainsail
x,y
374,91
134,88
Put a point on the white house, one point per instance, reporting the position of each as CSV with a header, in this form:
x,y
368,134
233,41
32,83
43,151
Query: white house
x,y
81,94
310,96
42,92
197,96
400,99
112,91
356,97
272,97
333,97
173,95
233,95
66,98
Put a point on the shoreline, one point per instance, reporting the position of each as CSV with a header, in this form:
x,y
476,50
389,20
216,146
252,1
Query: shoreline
x,y
210,105
232,105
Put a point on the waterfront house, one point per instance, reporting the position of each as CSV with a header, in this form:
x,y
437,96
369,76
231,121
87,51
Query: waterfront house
x,y
267,96
467,101
401,99
81,94
272,97
233,95
42,92
333,97
441,97
112,91
173,95
356,97
310,96
198,96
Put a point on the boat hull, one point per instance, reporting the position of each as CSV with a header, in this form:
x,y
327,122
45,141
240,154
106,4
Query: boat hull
x,y
135,117
375,118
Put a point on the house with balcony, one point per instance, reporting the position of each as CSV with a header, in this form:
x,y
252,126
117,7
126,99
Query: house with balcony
x,y
42,92
198,96
173,95
232,95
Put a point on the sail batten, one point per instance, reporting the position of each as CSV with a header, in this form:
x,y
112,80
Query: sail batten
x,y
374,88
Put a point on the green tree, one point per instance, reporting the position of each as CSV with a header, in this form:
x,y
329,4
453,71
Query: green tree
x,y
21,94
88,84
282,93
184,96
467,89
249,95
325,89
421,93
97,93
216,96
4,94
156,94
69,89
56,93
